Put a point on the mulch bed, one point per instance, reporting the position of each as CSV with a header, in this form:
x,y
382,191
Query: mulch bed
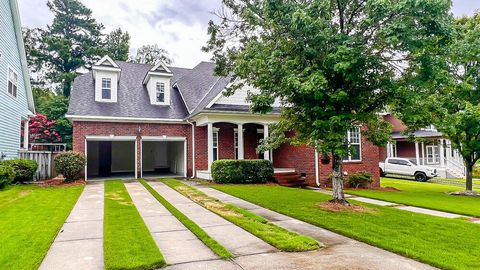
x,y
60,182
336,207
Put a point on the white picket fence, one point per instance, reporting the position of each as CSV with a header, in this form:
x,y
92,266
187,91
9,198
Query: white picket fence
x,y
44,159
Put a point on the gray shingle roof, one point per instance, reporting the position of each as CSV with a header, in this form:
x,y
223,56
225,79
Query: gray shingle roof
x,y
132,100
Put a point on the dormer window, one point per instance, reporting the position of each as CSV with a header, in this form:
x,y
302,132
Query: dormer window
x,y
106,88
160,92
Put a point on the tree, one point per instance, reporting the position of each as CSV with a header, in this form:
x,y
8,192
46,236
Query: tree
x,y
55,107
117,45
151,54
32,39
72,41
334,64
41,130
452,101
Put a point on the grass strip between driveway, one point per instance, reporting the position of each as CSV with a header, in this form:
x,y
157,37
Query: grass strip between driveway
x,y
128,243
276,236
192,226
441,242
30,218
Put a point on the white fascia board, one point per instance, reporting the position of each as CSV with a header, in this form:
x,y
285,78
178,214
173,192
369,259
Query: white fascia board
x,y
150,74
90,118
108,59
104,68
163,65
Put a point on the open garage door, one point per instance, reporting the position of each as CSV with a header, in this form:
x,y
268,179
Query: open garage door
x,y
111,158
164,157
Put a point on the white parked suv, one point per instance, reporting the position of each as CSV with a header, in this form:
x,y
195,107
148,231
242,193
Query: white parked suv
x,y
406,167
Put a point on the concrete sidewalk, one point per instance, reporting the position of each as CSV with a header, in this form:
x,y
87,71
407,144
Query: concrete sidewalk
x,y
235,239
341,252
79,244
175,241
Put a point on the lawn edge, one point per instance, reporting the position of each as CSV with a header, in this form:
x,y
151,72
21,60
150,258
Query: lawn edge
x,y
246,212
161,262
189,224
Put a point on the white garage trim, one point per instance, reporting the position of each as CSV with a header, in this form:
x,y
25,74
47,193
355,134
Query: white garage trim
x,y
111,139
164,139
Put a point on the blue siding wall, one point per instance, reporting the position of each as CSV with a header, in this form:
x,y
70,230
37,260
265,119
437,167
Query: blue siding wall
x,y
12,110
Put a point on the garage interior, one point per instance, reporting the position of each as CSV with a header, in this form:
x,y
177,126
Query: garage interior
x,y
106,159
163,158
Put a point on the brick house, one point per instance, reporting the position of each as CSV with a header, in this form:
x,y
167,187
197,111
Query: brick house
x,y
429,147
141,120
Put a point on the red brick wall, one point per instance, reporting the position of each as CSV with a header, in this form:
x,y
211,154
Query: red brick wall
x,y
406,149
396,123
302,158
82,129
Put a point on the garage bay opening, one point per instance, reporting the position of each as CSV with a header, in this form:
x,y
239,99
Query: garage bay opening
x,y
163,157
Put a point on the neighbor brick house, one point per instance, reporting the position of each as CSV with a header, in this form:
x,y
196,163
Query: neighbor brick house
x,y
146,120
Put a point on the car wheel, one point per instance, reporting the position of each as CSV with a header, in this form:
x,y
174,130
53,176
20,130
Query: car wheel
x,y
420,177
382,174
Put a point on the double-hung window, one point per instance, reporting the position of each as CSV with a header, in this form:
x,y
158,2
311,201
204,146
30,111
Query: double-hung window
x,y
354,145
235,143
12,82
160,89
215,145
106,88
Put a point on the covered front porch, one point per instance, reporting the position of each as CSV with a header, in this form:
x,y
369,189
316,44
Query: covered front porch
x,y
232,136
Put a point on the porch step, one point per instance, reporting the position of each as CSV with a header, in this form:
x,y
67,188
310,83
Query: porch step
x,y
289,179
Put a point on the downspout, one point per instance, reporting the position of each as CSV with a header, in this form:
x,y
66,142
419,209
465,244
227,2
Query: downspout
x,y
193,148
317,179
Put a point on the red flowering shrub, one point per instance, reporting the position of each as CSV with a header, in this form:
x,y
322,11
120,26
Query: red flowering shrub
x,y
42,130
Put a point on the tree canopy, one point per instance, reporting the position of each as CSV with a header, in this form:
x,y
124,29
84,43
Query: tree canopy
x,y
334,64
151,54
117,45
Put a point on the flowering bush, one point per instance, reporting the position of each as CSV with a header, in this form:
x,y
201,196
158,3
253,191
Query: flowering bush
x,y
42,130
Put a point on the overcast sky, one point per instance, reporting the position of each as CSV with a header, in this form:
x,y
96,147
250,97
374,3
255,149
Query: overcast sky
x,y
177,26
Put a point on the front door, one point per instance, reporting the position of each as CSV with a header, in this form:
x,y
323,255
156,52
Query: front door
x,y
105,159
433,154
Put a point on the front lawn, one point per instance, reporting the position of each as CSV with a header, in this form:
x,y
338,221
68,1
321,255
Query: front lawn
x,y
30,218
128,243
441,242
427,195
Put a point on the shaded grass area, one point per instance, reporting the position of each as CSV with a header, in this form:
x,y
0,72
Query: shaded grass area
x,y
192,226
441,242
427,195
30,218
276,236
128,243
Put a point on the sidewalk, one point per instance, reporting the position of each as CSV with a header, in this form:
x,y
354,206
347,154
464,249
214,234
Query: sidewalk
x,y
341,252
79,244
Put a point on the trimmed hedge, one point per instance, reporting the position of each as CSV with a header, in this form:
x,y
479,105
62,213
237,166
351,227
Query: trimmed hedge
x,y
70,164
7,174
24,169
247,171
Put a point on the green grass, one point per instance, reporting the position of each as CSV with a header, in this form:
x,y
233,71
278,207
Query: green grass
x,y
441,242
427,195
276,236
192,226
128,243
30,218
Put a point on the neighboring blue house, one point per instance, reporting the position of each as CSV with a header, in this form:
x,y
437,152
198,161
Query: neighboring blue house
x,y
16,99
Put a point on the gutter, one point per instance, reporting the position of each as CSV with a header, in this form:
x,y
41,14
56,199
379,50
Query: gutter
x,y
193,148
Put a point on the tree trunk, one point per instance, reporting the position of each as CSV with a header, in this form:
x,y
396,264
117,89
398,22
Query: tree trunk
x,y
337,181
469,176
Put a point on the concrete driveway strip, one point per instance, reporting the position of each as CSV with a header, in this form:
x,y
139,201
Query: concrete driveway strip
x,y
177,244
79,244
341,252
232,237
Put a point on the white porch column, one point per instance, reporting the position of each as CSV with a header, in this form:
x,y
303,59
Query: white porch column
x,y
392,151
26,134
449,152
389,152
417,153
266,154
423,153
210,144
442,153
240,141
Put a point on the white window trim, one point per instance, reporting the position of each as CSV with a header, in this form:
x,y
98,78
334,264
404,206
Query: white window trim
x,y
235,143
359,144
111,90
215,131
157,84
8,81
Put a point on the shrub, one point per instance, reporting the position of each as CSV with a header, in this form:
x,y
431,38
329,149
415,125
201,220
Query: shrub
x,y
7,174
360,179
247,171
24,169
70,164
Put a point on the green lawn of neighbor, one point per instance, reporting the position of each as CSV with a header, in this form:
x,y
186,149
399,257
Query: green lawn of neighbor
x,y
441,242
427,195
128,243
30,218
